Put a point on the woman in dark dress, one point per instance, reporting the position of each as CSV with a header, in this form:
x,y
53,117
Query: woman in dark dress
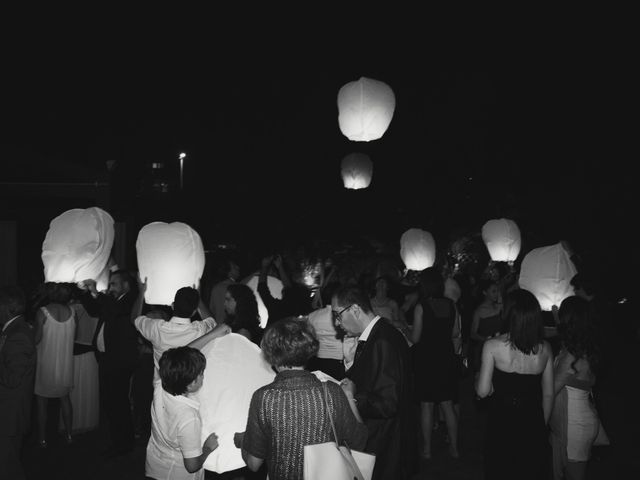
x,y
435,368
241,308
487,319
517,373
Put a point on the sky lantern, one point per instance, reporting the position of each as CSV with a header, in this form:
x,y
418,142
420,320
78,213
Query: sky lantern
x,y
275,287
546,272
357,170
78,246
170,256
417,249
365,109
502,238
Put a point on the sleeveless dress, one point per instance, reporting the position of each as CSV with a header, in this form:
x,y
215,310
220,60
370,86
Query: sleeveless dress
x,y
54,368
516,437
435,368
574,424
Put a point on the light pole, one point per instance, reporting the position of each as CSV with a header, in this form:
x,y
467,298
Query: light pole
x,y
181,157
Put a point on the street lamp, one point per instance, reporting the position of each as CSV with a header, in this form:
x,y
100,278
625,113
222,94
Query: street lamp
x,y
181,157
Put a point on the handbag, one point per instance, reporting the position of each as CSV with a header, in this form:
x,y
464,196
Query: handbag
x,y
335,461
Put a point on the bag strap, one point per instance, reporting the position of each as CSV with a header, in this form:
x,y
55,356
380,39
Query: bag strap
x,y
345,451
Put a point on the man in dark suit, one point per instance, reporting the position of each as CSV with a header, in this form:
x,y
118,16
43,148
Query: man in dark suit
x,y
115,343
379,382
17,372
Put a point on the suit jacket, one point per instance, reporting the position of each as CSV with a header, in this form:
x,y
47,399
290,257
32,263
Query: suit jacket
x,y
120,335
17,373
382,375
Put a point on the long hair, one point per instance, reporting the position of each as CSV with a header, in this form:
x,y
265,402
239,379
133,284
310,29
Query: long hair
x,y
431,284
577,330
524,321
246,314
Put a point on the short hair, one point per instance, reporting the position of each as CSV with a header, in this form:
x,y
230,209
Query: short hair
x,y
185,302
431,283
354,295
289,342
13,300
524,321
179,367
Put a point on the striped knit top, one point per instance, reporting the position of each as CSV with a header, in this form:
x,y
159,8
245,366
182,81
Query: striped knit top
x,y
289,413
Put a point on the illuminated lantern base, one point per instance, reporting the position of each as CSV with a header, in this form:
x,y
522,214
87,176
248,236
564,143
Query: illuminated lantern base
x,y
502,238
417,249
77,246
357,170
546,272
170,256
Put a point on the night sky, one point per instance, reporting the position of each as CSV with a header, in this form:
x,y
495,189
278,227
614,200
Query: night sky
x,y
476,135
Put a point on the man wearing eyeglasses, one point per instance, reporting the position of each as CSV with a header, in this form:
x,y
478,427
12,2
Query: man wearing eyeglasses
x,y
379,383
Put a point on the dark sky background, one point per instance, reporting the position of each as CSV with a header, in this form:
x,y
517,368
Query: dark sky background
x,y
477,134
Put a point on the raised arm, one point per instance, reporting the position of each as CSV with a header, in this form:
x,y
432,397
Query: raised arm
x,y
219,331
416,331
136,311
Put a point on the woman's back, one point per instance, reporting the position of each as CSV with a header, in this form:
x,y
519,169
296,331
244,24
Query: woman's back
x,y
54,371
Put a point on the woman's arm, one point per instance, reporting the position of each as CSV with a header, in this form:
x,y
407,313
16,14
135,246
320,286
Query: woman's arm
x,y
484,384
562,371
40,319
547,384
416,331
194,464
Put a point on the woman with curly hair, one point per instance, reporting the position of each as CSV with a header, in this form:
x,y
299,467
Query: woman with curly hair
x,y
291,412
241,308
574,422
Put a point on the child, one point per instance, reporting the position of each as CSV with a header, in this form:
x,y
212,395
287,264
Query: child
x,y
174,450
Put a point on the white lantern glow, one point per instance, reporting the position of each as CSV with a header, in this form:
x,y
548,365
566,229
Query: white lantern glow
x,y
224,399
77,246
357,170
546,272
170,256
275,287
502,238
365,109
417,249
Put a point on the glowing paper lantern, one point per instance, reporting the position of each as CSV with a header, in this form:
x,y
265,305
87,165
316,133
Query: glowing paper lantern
x,y
170,256
417,249
502,238
357,170
77,246
275,287
546,272
365,109
224,399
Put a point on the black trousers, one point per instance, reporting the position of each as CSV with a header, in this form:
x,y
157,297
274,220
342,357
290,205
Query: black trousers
x,y
114,401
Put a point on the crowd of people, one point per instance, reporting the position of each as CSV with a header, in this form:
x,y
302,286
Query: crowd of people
x,y
379,352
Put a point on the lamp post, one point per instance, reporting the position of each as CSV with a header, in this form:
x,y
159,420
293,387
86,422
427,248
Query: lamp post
x,y
181,157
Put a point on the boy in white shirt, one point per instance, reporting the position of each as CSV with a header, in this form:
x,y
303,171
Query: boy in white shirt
x,y
174,451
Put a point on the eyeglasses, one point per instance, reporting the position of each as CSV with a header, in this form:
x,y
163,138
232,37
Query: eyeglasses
x,y
337,316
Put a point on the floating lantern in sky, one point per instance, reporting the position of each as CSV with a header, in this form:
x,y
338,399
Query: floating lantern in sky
x,y
77,247
502,238
275,287
170,256
365,109
357,170
417,249
546,272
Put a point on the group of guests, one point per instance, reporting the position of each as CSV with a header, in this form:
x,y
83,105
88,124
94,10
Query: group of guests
x,y
390,367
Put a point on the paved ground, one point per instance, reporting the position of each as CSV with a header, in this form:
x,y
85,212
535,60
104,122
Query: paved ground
x,y
81,460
